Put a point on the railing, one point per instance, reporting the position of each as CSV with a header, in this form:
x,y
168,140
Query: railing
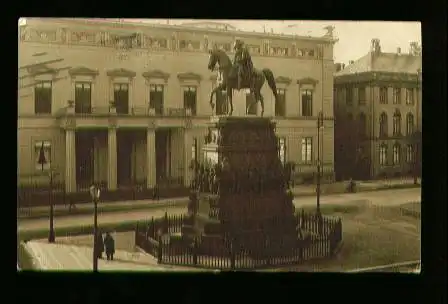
x,y
317,238
133,111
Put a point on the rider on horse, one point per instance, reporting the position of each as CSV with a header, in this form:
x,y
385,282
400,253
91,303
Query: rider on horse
x,y
242,61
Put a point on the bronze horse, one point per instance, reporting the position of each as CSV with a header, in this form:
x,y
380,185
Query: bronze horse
x,y
230,80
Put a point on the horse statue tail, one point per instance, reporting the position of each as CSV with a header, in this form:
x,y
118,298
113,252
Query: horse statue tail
x,y
271,81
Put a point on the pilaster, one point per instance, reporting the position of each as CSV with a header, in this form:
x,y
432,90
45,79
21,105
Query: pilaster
x,y
150,158
188,142
70,160
112,159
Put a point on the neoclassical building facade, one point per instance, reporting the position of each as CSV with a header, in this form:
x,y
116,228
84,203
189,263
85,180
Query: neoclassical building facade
x,y
378,109
128,103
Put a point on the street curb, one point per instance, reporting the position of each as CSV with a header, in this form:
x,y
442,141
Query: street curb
x,y
108,209
111,209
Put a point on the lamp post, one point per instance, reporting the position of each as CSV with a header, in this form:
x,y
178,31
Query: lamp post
x,y
51,234
320,126
95,194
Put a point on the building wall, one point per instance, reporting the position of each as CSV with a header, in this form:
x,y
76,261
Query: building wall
x,y
171,61
373,109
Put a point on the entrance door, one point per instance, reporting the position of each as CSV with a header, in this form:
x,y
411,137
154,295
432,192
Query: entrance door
x,y
84,159
162,140
124,152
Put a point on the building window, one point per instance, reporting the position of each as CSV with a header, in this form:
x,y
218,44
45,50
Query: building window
x,y
221,102
383,155
83,97
409,124
410,154
362,125
190,98
282,149
396,154
349,96
362,96
280,103
42,151
121,98
251,106
409,96
383,95
307,150
383,125
42,97
156,98
307,103
397,95
397,123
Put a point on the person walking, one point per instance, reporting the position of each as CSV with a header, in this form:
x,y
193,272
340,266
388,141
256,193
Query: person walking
x,y
99,245
109,244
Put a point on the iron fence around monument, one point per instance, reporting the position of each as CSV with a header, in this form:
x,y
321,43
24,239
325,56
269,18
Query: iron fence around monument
x,y
316,238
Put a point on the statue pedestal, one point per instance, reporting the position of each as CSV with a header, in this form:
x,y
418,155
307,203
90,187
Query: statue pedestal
x,y
248,200
239,103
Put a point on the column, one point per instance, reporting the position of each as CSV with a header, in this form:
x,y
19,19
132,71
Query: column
x,y
70,161
188,142
150,158
112,159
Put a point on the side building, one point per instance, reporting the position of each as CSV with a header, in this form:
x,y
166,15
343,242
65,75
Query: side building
x,y
127,104
378,110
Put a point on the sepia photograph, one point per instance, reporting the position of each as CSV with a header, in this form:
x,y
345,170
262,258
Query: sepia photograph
x,y
188,145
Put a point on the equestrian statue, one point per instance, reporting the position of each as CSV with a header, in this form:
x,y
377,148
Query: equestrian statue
x,y
239,74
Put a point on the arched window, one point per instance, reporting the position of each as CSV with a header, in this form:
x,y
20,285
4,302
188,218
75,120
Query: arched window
x,y
383,155
383,124
362,125
409,124
397,123
396,154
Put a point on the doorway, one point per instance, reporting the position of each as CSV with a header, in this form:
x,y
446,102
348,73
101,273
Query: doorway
x,y
124,154
84,159
163,157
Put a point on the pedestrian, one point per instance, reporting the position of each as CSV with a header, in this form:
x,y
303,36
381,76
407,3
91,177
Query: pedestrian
x,y
109,244
99,245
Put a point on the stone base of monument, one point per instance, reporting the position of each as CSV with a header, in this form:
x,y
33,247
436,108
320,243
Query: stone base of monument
x,y
240,207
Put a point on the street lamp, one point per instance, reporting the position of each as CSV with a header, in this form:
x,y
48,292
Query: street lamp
x,y
95,194
51,234
320,126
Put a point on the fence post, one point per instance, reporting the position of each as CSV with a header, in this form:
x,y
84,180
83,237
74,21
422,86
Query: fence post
x,y
303,219
152,228
136,235
159,250
166,226
195,251
267,250
232,254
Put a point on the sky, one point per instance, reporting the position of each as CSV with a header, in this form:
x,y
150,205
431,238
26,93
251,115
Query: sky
x,y
354,36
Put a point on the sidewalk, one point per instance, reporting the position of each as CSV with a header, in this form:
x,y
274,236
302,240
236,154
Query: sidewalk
x,y
298,191
379,198
83,208
68,257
